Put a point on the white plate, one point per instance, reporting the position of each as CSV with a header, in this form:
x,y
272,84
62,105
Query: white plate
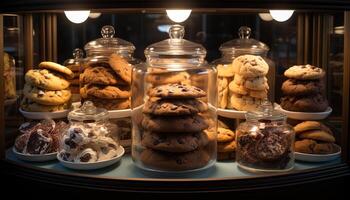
x,y
231,113
317,157
45,115
93,166
34,157
113,114
305,115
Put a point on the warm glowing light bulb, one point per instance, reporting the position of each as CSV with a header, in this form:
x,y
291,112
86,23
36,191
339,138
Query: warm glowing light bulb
x,y
77,16
94,15
265,16
178,16
281,15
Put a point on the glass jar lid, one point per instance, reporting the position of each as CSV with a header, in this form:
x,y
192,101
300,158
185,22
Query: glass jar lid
x,y
244,44
88,112
175,46
78,55
109,43
265,112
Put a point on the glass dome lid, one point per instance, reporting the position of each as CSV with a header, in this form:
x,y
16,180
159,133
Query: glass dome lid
x,y
78,55
88,112
244,44
108,42
175,45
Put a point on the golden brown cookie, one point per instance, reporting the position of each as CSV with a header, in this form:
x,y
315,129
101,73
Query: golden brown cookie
x,y
225,135
31,106
46,97
304,72
257,83
167,78
319,135
57,67
222,92
226,146
225,70
176,91
241,90
45,79
250,66
121,67
100,75
113,104
311,125
244,103
104,92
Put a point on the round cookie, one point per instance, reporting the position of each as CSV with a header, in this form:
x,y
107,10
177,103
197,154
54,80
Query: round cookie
x,y
174,142
225,135
304,72
176,91
175,107
315,103
121,67
294,87
31,106
240,89
100,75
167,78
250,66
174,162
226,146
312,147
56,67
244,103
46,97
225,70
222,92
318,135
311,125
114,104
44,79
104,92
183,124
257,83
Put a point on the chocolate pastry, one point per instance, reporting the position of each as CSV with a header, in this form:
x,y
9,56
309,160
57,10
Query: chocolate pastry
x,y
21,142
39,142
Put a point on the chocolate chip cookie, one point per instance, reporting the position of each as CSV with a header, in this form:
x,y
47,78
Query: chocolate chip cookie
x,y
45,79
296,87
176,91
113,104
31,106
225,135
176,107
100,75
57,67
121,67
104,92
168,78
46,97
174,142
304,72
314,103
250,66
184,124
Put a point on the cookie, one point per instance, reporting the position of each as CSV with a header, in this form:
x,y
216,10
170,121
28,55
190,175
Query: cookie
x,y
167,78
174,161
313,147
221,156
225,135
311,125
318,135
104,92
45,79
183,124
294,87
244,103
174,142
225,70
51,66
250,66
315,103
176,91
74,67
222,92
31,106
241,90
226,146
121,67
46,97
304,72
257,83
113,104
100,75
174,107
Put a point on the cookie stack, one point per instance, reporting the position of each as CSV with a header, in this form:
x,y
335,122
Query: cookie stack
x,y
225,76
249,86
74,82
304,89
173,125
47,89
107,84
226,146
313,137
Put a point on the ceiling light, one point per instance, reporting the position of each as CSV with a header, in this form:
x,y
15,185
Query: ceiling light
x,y
265,16
281,15
178,16
94,15
77,16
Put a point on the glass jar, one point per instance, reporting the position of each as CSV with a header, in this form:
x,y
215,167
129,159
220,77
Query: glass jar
x,y
106,78
265,142
76,65
232,49
90,137
174,107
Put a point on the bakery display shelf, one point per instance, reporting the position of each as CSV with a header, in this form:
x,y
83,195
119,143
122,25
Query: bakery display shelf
x,y
305,115
231,113
45,115
223,176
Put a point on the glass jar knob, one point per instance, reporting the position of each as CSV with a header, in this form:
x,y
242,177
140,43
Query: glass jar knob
x,y
176,31
88,108
78,53
107,31
244,32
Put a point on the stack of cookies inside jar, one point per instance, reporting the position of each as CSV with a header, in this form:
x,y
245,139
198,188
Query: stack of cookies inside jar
x,y
106,79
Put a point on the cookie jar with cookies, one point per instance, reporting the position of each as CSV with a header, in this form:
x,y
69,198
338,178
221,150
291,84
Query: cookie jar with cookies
x,y
237,88
173,107
75,64
106,79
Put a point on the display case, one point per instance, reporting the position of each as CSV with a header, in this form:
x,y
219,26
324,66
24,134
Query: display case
x,y
301,67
